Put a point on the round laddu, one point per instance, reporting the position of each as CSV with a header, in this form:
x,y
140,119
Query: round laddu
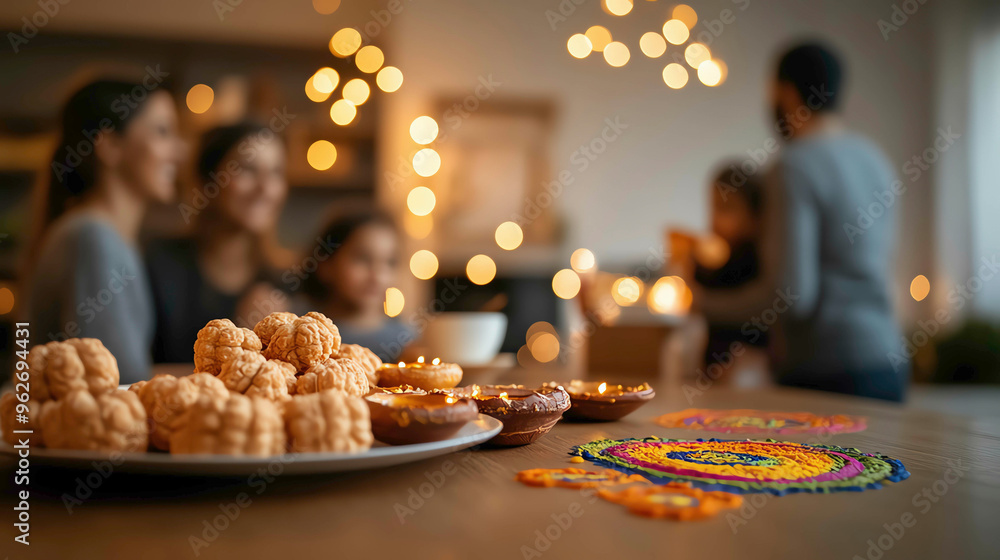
x,y
328,421
218,341
108,422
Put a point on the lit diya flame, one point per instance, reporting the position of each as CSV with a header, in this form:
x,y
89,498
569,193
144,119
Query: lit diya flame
x,y
436,361
602,388
420,360
402,364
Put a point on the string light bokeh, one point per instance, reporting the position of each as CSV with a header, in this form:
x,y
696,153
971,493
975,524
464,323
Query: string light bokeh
x,y
675,31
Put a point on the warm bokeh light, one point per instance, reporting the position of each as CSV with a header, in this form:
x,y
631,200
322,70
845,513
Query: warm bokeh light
x,y
509,236
325,80
676,32
357,91
675,75
481,270
6,300
423,130
326,7
538,327
421,201
709,73
599,37
426,162
389,79
579,46
686,14
524,358
696,53
321,155
418,227
582,260
314,94
627,291
669,295
343,112
618,7
394,302
663,297
616,54
566,284
345,42
652,44
544,347
200,98
711,252
723,70
369,59
424,264
920,287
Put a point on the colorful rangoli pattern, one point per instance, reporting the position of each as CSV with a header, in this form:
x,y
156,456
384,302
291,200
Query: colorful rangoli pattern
x,y
761,421
746,466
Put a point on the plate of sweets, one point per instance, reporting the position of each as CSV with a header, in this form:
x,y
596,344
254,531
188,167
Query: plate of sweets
x,y
288,391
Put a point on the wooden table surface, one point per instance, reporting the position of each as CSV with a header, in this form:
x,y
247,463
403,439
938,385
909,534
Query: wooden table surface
x,y
472,508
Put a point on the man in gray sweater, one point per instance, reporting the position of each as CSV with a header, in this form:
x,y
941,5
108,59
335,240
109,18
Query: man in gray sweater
x,y
827,245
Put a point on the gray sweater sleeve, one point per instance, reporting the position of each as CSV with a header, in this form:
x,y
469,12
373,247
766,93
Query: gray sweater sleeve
x,y
109,299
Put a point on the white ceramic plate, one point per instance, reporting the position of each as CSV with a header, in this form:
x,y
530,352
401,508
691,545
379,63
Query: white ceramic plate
x,y
473,433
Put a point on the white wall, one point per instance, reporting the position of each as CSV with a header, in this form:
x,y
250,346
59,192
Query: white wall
x,y
655,174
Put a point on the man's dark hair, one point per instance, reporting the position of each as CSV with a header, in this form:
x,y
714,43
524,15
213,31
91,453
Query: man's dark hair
x,y
816,73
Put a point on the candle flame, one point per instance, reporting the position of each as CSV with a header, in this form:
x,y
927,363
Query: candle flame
x,y
436,361
602,388
402,364
420,360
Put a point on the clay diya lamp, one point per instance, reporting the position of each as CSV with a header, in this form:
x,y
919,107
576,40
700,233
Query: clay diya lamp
x,y
405,418
598,401
421,374
527,414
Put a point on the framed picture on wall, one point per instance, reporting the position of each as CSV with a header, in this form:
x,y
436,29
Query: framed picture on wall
x,y
495,168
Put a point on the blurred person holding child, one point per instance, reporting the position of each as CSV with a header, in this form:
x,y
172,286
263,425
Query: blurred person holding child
x,y
825,285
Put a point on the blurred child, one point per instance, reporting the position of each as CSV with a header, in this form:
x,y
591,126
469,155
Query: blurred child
x,y
737,205
349,285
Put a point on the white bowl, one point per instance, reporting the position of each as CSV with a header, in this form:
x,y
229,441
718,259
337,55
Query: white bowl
x,y
466,338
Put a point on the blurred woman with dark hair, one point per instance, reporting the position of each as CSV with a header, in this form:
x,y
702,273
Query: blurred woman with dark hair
x,y
225,266
118,153
349,285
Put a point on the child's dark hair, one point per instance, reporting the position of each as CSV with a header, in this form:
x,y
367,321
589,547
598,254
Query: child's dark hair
x,y
731,180
336,233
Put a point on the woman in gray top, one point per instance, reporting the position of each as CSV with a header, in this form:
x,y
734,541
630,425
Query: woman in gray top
x,y
823,290
118,152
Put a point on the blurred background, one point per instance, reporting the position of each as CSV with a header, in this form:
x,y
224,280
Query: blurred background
x,y
604,153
